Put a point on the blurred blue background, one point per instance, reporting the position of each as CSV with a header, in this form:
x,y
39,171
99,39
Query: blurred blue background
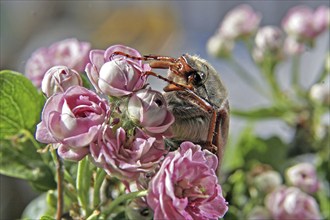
x,y
152,27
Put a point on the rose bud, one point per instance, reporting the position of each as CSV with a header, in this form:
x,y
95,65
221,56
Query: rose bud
x,y
116,75
58,79
267,181
320,92
186,186
148,109
291,203
303,176
69,52
268,44
72,118
242,21
218,46
269,38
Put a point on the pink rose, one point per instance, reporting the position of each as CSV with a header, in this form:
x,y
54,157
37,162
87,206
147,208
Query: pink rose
x,y
127,157
116,75
72,118
70,52
186,186
58,79
287,203
148,108
242,21
303,24
304,176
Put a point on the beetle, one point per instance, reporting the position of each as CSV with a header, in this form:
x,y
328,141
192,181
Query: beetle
x,y
198,99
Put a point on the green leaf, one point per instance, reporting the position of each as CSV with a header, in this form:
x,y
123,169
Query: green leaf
x,y
46,217
270,151
21,105
21,160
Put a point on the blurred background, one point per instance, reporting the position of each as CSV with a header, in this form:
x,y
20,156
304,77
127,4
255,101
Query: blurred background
x,y
152,27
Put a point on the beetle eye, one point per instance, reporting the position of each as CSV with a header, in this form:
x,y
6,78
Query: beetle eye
x,y
197,78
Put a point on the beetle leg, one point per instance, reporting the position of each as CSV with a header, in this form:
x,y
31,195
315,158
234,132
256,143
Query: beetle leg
x,y
218,125
173,86
161,64
221,130
146,57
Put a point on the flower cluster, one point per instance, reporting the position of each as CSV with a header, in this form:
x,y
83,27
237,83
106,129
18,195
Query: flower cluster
x,y
123,136
275,191
239,23
293,200
301,24
121,128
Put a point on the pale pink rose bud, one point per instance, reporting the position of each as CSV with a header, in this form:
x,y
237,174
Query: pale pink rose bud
x,y
320,93
303,176
297,22
59,79
287,203
186,186
269,38
242,21
72,118
126,157
69,52
267,181
148,109
292,47
116,75
218,46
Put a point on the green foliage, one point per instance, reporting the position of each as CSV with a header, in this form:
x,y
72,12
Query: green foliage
x,y
21,105
250,149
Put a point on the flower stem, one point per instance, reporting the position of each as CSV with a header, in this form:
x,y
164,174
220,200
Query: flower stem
x,y
295,71
100,175
59,176
123,198
268,69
